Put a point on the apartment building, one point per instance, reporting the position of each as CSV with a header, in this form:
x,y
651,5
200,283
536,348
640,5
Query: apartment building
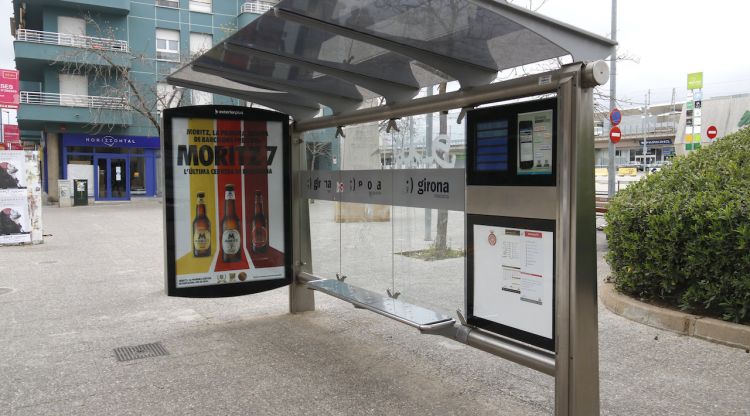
x,y
92,85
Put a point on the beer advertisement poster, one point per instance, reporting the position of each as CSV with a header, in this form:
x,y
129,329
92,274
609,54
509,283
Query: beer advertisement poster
x,y
227,200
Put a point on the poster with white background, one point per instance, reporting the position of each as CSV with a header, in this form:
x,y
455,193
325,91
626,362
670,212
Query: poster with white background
x,y
513,277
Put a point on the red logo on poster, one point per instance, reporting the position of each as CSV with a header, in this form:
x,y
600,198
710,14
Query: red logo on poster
x,y
9,96
712,132
492,239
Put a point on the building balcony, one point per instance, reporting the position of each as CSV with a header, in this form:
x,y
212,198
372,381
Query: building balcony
x,y
250,10
35,45
106,6
41,108
76,41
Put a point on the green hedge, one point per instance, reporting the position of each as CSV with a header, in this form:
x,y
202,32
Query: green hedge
x,y
682,235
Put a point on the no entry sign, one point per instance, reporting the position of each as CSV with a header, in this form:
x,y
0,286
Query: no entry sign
x,y
615,116
615,135
712,132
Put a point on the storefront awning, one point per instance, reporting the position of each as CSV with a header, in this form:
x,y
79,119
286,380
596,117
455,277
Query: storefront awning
x,y
304,54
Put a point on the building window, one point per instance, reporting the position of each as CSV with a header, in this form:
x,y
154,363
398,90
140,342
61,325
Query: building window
x,y
168,3
200,43
167,45
598,128
167,96
200,6
201,97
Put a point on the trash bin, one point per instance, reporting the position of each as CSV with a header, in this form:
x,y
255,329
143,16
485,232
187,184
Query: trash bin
x,y
81,192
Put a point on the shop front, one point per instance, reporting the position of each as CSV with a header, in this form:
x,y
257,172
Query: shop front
x,y
116,167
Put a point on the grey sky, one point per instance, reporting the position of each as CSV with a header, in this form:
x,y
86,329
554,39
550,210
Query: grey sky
x,y
670,38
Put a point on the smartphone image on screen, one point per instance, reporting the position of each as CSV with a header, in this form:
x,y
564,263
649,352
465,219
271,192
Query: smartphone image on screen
x,y
526,139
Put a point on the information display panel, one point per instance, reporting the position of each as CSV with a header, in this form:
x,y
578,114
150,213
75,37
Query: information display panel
x,y
510,285
227,201
512,145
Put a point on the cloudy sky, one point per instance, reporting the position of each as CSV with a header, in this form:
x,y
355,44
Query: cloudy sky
x,y
668,38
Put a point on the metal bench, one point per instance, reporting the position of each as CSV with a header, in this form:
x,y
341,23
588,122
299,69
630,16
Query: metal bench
x,y
415,316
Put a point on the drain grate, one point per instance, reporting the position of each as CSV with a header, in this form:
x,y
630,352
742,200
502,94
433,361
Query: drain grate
x,y
5,290
137,352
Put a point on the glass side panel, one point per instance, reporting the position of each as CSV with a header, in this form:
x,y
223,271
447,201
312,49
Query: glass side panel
x,y
429,241
322,150
394,228
366,227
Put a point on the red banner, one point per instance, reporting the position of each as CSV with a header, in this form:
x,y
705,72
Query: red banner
x,y
11,134
9,95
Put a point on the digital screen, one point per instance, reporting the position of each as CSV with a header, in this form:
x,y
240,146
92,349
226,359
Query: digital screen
x,y
492,146
535,132
512,144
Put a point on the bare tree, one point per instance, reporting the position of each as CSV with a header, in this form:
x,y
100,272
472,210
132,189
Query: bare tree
x,y
103,59
317,150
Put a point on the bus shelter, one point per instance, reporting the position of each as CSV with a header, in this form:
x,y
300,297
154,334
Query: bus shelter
x,y
457,131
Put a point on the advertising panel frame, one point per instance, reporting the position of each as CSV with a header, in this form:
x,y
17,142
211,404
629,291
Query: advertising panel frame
x,y
232,113
499,328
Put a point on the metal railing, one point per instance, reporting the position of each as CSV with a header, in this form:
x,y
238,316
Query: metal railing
x,y
257,7
70,100
76,41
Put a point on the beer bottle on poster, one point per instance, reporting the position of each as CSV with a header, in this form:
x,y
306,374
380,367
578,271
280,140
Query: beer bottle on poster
x,y
231,238
201,229
260,228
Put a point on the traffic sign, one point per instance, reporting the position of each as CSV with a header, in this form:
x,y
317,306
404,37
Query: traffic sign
x,y
615,135
615,116
712,132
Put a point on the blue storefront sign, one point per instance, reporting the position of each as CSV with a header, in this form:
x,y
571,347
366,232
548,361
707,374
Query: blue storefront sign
x,y
116,166
102,140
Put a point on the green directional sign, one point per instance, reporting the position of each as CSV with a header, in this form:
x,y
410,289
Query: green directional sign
x,y
695,81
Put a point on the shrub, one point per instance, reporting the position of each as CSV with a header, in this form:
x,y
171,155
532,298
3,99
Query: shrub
x,y
682,235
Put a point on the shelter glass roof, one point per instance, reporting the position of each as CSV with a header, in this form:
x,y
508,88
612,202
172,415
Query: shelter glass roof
x,y
337,53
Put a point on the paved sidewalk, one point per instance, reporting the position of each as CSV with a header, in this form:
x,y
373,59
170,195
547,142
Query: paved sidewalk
x,y
97,284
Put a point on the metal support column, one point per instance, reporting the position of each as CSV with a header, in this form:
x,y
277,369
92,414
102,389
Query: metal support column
x,y
577,366
301,299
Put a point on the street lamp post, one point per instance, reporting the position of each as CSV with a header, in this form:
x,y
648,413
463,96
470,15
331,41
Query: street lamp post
x,y
612,104
645,130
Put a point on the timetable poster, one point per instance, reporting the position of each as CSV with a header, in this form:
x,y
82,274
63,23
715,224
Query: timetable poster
x,y
228,214
513,277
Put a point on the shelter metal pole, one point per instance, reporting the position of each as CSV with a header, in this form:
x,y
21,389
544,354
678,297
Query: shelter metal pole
x,y
577,347
301,299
